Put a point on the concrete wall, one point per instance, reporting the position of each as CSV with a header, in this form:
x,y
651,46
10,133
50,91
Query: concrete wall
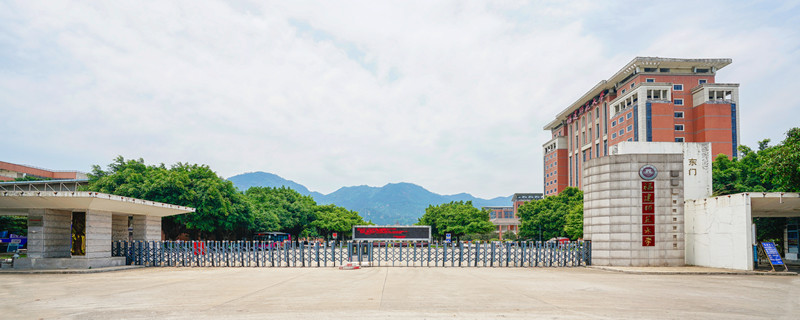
x,y
119,227
49,233
613,210
697,159
718,232
98,234
146,228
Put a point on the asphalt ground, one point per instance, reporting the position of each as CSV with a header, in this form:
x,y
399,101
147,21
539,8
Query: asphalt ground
x,y
396,293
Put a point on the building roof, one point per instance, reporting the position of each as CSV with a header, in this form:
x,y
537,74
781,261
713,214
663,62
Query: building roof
x,y
526,196
634,66
19,202
9,171
767,204
774,204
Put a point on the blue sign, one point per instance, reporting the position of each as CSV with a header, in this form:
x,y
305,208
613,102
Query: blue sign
x,y
447,237
772,253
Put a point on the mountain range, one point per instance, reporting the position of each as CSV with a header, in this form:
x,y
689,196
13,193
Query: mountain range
x,y
395,203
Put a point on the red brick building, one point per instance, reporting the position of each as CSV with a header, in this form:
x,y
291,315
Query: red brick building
x,y
506,218
649,99
11,171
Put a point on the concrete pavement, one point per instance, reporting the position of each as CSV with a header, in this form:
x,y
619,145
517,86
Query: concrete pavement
x,y
395,293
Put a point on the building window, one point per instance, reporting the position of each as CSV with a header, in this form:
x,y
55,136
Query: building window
x,y
630,139
702,81
678,114
613,135
614,123
650,80
597,150
663,70
623,91
678,102
630,128
584,155
621,132
632,84
679,139
605,147
630,115
678,127
649,69
597,130
570,170
677,87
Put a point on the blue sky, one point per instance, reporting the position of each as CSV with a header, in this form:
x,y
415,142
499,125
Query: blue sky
x,y
450,95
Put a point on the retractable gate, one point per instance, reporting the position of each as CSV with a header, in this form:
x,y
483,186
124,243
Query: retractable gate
x,y
330,254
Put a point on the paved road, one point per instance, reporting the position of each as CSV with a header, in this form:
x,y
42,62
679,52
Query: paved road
x,y
395,293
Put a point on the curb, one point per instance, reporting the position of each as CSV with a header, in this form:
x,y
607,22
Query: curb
x,y
70,271
737,273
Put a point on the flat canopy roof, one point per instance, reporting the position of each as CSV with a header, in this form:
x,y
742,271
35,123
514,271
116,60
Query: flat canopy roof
x,y
18,203
774,204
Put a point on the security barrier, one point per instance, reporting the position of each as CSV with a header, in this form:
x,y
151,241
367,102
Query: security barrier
x,y
330,254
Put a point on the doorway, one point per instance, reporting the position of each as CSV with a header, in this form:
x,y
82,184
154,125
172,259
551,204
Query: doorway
x,y
78,234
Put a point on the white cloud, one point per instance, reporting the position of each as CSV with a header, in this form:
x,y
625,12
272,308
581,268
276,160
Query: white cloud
x,y
450,95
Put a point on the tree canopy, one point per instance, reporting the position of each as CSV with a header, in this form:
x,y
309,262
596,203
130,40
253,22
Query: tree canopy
x,y
331,218
292,211
223,212
457,218
554,216
769,169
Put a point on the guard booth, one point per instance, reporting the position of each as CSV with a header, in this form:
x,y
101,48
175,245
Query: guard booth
x,y
75,229
720,231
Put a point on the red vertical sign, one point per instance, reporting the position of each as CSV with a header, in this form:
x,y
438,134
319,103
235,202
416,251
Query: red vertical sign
x,y
648,214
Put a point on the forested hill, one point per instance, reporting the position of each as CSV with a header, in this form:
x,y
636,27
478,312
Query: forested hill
x,y
394,203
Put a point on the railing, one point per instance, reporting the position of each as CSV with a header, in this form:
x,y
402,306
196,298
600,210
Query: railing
x,y
406,254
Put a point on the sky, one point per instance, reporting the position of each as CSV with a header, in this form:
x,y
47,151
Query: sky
x,y
449,95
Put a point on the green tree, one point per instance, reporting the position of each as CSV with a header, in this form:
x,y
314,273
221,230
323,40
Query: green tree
x,y
332,218
510,236
781,164
770,169
573,225
742,174
14,224
294,211
457,218
221,211
548,217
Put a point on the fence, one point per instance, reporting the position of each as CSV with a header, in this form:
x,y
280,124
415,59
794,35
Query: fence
x,y
405,254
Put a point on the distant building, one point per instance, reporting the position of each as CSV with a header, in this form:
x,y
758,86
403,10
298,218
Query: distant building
x,y
506,218
11,171
649,99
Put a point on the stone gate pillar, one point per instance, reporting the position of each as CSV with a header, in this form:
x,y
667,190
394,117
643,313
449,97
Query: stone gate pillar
x,y
146,228
98,234
635,219
49,233
119,227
